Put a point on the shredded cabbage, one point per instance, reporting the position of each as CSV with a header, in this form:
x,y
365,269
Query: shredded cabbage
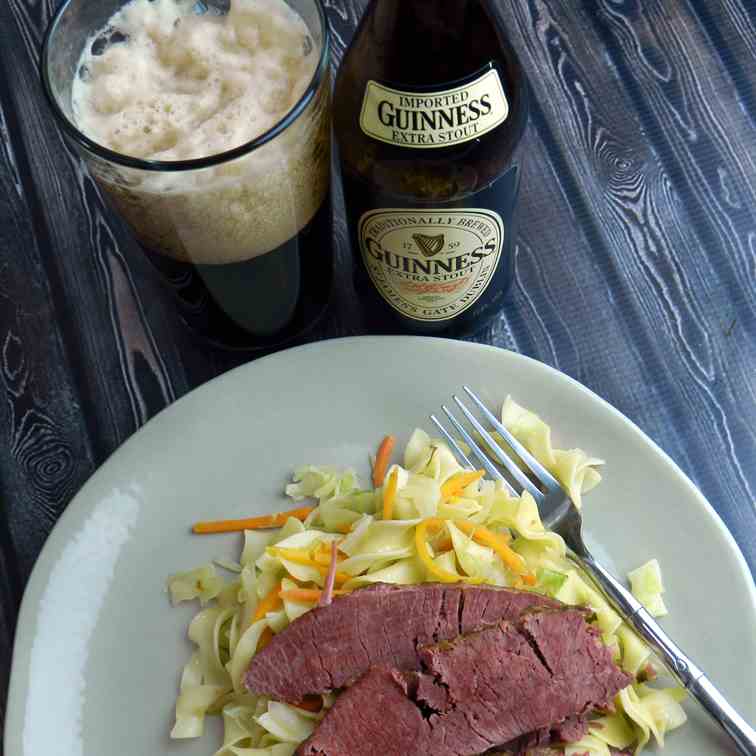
x,y
403,572
653,711
577,591
256,541
574,469
278,749
646,585
202,583
589,745
228,565
191,707
550,581
634,652
321,483
613,729
231,629
286,723
475,560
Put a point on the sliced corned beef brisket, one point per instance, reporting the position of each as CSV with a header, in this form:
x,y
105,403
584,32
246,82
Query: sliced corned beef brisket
x,y
477,692
332,646
571,729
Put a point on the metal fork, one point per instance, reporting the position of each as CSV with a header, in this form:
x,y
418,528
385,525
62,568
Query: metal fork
x,y
560,514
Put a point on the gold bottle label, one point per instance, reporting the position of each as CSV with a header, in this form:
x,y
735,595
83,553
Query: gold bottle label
x,y
429,120
431,265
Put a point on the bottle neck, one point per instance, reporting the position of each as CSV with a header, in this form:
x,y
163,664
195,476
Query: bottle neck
x,y
423,40
446,17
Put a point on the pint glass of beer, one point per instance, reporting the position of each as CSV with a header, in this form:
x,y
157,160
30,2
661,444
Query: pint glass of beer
x,y
207,126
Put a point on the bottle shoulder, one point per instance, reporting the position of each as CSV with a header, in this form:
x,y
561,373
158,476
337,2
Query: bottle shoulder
x,y
429,173
429,111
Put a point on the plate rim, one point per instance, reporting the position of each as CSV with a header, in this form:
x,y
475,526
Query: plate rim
x,y
35,585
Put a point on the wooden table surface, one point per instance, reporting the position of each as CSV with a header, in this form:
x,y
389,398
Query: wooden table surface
x,y
636,259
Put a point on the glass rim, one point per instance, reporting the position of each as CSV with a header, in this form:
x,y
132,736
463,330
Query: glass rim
x,y
191,164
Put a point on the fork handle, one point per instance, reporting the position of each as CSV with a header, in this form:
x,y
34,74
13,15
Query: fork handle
x,y
680,665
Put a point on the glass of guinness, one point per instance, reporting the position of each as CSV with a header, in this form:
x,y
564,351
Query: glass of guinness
x,y
207,125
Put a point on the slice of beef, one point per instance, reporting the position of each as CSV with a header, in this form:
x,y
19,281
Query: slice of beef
x,y
571,729
332,646
475,693
376,715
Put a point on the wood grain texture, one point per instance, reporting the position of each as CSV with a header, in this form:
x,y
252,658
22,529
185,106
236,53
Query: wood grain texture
x,y
636,258
39,439
655,156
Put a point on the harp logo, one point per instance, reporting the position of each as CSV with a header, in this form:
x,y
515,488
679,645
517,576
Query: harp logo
x,y
431,265
429,245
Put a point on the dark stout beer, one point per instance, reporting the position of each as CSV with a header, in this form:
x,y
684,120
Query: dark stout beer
x,y
430,106
262,302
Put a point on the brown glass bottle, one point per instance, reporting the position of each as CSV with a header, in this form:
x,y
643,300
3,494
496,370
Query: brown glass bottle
x,y
430,107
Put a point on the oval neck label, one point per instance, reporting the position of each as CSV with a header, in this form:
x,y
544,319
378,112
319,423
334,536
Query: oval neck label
x,y
431,119
431,264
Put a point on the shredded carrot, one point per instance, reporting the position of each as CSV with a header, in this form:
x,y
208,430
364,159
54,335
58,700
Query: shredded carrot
x,y
486,537
458,483
265,637
277,520
311,703
421,542
526,579
345,529
306,595
443,543
382,460
389,495
478,533
269,603
298,556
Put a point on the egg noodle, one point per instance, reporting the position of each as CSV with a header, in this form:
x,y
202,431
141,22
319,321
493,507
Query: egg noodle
x,y
445,525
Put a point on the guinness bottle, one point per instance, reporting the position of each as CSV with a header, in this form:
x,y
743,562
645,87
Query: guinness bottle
x,y
430,107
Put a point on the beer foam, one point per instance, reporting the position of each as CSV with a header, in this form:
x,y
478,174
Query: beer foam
x,y
173,85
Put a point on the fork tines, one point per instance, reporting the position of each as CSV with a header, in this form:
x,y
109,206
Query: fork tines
x,y
517,480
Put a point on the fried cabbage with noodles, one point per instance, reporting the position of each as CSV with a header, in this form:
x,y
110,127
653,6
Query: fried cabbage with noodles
x,y
229,631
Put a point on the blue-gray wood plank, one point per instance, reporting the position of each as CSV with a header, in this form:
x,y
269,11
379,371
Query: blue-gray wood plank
x,y
636,259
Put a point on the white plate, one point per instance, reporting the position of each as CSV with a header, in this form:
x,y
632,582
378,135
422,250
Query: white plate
x,y
98,648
